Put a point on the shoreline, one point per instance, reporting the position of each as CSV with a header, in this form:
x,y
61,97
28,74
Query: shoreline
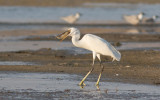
x,y
68,3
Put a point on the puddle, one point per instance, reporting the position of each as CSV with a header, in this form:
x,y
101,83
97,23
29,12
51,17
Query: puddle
x,y
16,63
32,45
66,86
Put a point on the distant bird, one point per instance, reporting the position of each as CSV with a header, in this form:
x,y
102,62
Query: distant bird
x,y
150,20
71,18
134,19
91,42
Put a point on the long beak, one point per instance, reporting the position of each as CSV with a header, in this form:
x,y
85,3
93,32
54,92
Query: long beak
x,y
63,35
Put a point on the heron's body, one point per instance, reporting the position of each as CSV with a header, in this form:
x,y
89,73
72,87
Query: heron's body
x,y
71,18
97,45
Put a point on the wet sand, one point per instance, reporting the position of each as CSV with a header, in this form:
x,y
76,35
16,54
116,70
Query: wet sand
x,y
143,68
64,86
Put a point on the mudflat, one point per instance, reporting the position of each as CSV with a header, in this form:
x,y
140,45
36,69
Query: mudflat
x,y
137,66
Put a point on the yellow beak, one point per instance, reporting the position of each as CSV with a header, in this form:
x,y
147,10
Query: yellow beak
x,y
63,35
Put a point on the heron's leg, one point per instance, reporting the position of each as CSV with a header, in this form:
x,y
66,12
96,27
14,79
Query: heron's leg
x,y
102,67
82,82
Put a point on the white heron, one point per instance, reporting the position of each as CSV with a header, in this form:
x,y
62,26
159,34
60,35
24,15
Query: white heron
x,y
134,19
91,42
71,18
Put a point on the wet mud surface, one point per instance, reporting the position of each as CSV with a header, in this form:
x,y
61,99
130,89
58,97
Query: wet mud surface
x,y
143,68
46,86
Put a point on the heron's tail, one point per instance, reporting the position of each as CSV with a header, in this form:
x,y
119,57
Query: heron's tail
x,y
115,54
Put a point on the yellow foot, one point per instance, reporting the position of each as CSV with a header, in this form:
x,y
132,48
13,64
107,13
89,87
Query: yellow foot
x,y
98,87
82,84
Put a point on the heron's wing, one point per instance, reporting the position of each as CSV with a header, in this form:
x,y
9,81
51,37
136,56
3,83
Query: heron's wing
x,y
100,46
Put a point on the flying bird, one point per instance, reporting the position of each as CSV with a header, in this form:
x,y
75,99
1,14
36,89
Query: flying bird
x,y
134,19
71,18
91,42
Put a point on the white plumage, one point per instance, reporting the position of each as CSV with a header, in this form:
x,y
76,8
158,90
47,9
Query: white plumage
x,y
134,19
71,18
97,45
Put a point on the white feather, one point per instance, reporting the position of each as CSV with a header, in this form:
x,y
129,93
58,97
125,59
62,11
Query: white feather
x,y
100,46
71,18
95,44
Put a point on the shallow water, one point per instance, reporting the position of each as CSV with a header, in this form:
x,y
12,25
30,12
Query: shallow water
x,y
139,45
90,13
7,46
16,63
66,86
32,45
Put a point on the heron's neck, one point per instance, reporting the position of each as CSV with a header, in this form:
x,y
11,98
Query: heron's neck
x,y
76,41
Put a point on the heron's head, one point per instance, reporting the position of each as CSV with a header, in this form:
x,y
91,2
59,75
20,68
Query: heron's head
x,y
70,32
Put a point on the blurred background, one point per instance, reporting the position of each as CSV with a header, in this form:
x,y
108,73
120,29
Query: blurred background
x,y
39,14
42,20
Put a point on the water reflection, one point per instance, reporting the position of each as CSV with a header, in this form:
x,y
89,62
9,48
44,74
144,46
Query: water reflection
x,y
144,30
